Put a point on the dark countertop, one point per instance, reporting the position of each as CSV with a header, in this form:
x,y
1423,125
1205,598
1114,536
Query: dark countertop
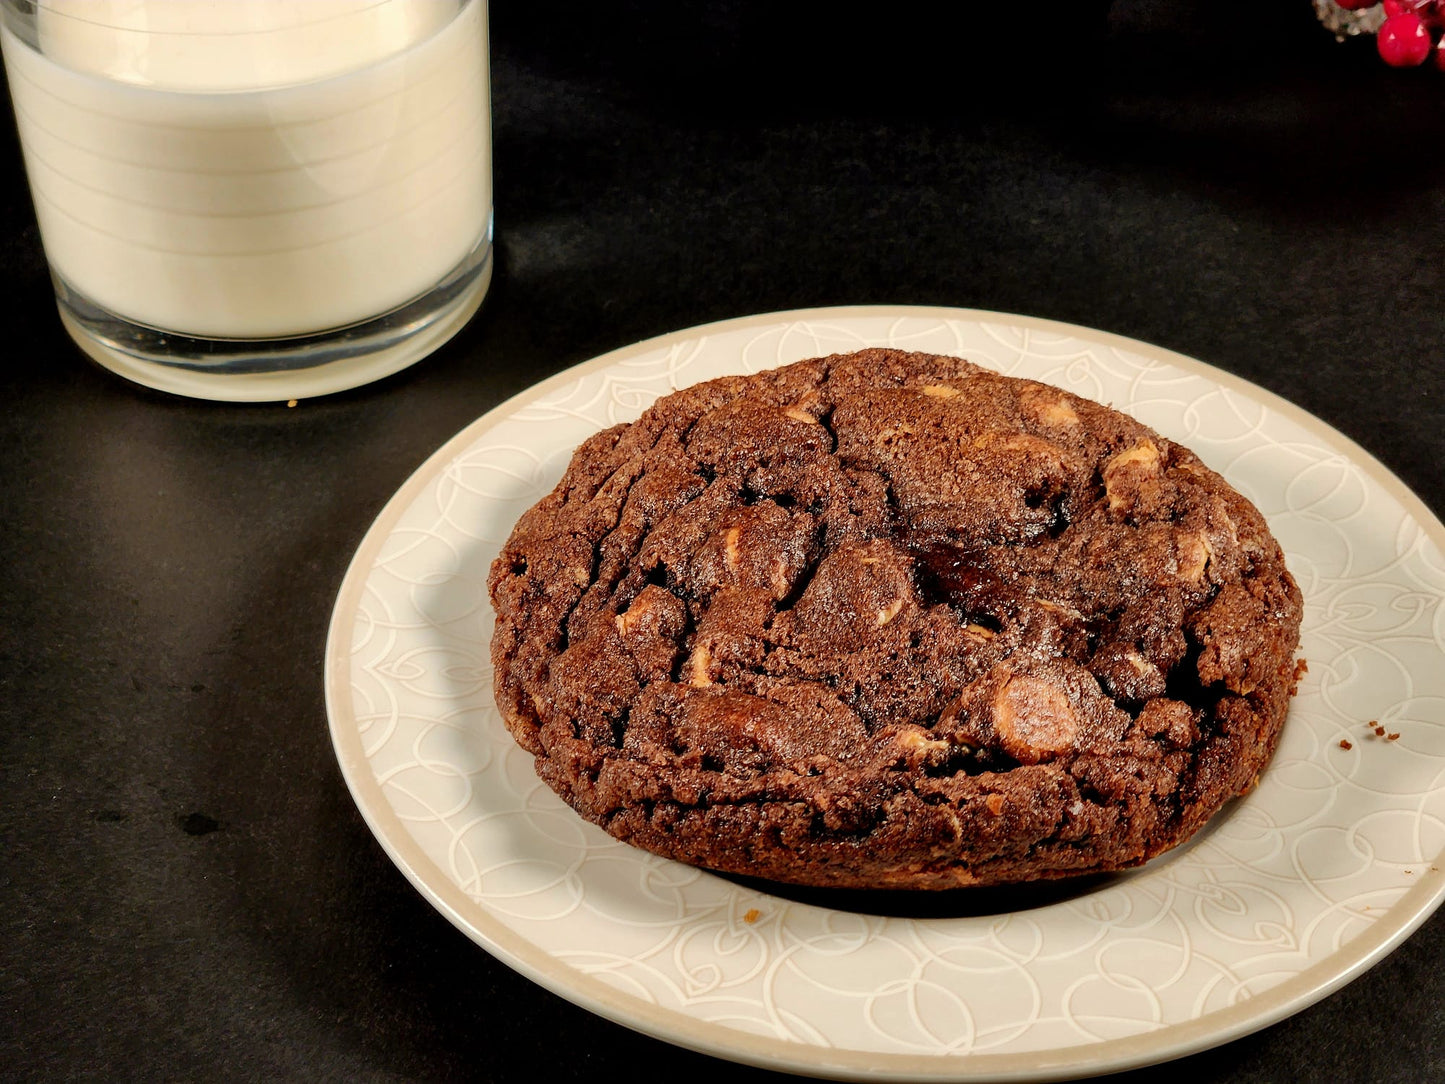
x,y
188,891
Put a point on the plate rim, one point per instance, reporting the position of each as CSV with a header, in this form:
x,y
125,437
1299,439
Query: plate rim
x,y
1166,1043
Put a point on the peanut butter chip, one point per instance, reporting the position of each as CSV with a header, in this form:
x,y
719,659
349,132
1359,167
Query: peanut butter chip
x,y
940,391
889,612
1034,719
798,414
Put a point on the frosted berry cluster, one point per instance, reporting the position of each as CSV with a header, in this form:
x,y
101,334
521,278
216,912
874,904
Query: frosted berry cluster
x,y
1407,32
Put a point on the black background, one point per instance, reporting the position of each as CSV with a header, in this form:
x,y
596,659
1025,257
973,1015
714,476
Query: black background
x,y
187,891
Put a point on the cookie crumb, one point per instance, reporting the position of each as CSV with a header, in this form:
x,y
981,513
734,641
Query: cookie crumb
x,y
1301,668
1345,743
752,915
1379,732
1393,737
290,402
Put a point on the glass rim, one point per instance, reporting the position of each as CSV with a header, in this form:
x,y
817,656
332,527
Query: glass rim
x,y
34,8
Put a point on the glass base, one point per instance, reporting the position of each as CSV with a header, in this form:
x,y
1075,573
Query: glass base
x,y
278,370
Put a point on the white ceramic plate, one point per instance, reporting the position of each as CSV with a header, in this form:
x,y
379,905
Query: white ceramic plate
x,y
1332,861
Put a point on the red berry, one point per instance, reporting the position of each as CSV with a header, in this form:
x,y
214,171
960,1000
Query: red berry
x,y
1403,41
1356,5
1429,10
1440,55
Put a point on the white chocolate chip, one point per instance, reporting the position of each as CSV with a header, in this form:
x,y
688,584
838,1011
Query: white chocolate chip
x,y
778,579
1058,413
1194,554
1140,664
1141,459
889,612
1229,524
1032,445
636,610
698,668
1144,453
918,742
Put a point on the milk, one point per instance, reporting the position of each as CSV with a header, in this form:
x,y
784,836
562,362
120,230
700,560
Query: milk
x,y
254,168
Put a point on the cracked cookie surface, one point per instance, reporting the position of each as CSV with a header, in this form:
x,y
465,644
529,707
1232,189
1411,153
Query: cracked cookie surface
x,y
892,620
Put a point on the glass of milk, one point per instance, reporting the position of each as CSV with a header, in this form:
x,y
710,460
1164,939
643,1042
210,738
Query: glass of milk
x,y
257,199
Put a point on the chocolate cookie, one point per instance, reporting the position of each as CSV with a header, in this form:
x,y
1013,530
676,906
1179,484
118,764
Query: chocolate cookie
x,y
893,620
